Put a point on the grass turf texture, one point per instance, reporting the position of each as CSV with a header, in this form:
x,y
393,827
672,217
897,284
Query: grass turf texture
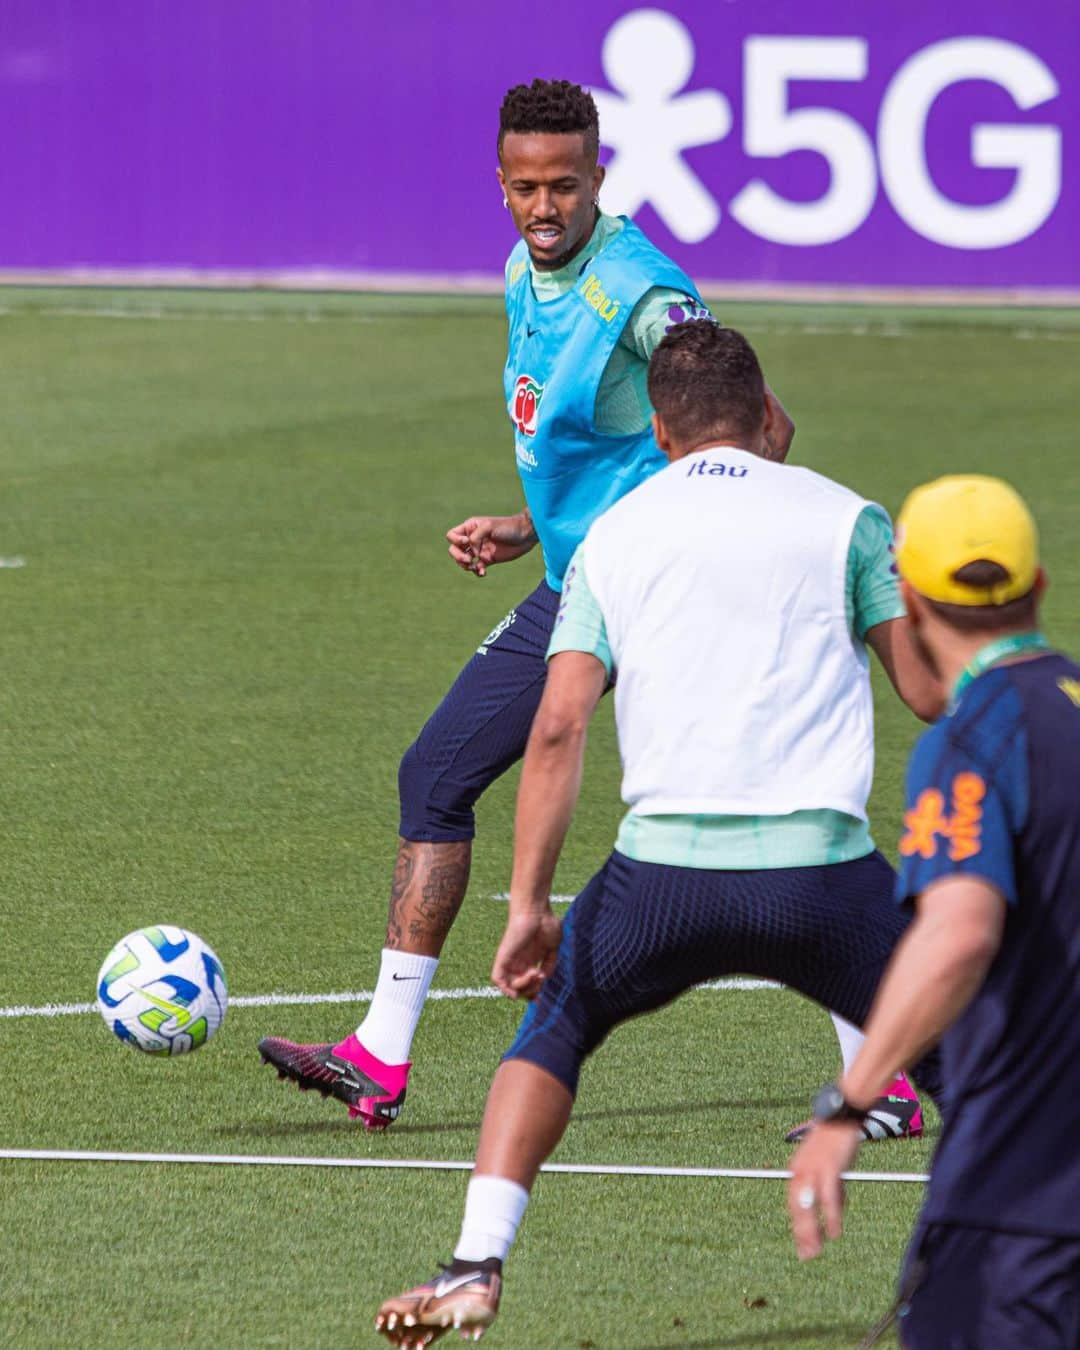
x,y
235,612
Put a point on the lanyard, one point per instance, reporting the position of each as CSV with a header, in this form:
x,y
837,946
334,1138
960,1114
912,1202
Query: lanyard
x,y
998,650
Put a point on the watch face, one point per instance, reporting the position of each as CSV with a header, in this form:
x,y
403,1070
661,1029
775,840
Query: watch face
x,y
829,1103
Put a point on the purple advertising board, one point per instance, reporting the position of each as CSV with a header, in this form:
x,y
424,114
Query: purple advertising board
x,y
784,141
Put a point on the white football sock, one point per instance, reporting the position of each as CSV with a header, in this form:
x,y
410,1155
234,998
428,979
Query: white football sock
x,y
851,1039
390,1024
494,1207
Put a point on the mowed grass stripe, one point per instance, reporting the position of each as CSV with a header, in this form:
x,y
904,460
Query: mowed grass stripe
x,y
890,330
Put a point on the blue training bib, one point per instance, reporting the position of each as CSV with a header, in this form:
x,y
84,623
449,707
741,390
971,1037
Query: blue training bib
x,y
556,356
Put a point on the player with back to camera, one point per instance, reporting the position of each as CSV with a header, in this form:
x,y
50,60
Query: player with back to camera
x,y
990,861
745,724
588,299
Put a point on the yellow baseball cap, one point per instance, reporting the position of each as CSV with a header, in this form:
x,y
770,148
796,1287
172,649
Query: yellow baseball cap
x,y
960,519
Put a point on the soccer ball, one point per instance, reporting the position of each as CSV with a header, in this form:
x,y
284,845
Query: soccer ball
x,y
162,990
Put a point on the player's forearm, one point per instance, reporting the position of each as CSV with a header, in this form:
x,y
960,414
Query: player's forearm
x,y
917,684
909,673
515,536
550,782
933,975
528,534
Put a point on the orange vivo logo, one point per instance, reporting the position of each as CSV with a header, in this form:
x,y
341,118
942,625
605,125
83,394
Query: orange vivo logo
x,y
926,824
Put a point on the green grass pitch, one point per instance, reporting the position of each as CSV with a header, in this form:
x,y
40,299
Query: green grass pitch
x,y
235,612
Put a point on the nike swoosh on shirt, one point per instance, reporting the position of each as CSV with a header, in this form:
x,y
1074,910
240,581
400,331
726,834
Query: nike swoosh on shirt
x,y
531,332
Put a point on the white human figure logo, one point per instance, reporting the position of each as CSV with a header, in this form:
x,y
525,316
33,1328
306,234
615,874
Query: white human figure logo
x,y
648,56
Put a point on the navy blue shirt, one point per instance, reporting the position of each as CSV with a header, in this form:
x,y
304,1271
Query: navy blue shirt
x,y
993,791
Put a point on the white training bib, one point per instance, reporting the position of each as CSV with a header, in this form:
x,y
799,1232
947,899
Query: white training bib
x,y
740,689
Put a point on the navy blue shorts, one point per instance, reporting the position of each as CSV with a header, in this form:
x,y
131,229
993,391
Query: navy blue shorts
x,y
640,934
967,1288
481,727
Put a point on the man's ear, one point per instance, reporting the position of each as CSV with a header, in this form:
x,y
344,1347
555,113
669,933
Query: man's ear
x,y
1042,582
660,433
913,603
774,426
769,427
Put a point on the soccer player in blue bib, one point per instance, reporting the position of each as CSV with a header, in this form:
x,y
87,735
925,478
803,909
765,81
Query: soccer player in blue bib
x,y
588,300
991,861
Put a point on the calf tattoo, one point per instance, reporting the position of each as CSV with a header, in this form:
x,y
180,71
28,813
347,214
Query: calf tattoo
x,y
429,885
404,867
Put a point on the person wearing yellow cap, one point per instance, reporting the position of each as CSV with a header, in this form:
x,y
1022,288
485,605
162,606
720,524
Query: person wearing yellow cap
x,y
990,858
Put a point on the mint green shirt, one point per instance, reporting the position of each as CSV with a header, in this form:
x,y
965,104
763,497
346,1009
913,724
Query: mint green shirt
x,y
622,400
800,839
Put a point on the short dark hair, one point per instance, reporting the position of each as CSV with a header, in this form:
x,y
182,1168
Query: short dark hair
x,y
554,106
981,575
706,383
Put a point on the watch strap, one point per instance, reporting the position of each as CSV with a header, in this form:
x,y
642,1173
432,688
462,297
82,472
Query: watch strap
x,y
830,1104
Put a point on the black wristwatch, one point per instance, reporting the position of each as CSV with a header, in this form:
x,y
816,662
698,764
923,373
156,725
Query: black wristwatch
x,y
831,1104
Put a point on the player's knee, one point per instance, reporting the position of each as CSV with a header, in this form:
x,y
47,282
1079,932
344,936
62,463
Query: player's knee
x,y
434,808
558,1059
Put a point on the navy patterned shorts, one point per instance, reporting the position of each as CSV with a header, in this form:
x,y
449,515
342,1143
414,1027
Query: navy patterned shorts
x,y
640,934
481,727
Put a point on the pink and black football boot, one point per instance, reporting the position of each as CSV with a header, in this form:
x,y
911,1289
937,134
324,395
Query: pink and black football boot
x,y
896,1114
372,1090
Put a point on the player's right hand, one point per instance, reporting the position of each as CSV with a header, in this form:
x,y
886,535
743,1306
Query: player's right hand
x,y
527,953
815,1190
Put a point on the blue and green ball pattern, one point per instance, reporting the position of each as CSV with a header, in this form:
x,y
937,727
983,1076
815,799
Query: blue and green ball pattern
x,y
162,990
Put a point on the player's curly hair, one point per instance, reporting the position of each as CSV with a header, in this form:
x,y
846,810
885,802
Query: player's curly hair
x,y
555,106
706,383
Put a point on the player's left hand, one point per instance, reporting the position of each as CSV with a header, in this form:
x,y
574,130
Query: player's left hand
x,y
527,953
815,1191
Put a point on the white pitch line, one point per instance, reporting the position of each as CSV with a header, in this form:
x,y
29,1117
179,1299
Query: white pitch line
x,y
254,1001
555,899
423,1165
347,996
